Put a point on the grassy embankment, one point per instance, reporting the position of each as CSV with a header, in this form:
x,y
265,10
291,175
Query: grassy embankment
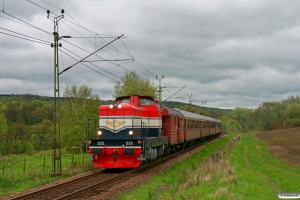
x,y
38,169
247,171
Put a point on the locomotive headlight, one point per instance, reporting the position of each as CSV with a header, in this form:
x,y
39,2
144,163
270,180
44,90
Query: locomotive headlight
x,y
119,106
111,106
99,132
130,132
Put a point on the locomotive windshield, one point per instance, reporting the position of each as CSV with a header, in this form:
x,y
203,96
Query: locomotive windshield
x,y
125,100
146,102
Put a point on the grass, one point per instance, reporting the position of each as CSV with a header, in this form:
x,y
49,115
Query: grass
x,y
247,171
37,170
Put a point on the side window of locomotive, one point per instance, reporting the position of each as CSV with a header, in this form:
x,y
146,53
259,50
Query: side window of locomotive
x,y
158,106
146,102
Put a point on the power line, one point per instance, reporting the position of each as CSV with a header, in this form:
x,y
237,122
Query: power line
x,y
79,25
15,21
36,4
89,67
25,38
95,55
105,36
90,54
25,35
26,23
90,63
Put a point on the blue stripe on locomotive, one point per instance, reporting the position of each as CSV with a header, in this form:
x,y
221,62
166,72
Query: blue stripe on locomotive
x,y
138,133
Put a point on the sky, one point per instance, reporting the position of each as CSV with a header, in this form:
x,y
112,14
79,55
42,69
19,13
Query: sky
x,y
222,54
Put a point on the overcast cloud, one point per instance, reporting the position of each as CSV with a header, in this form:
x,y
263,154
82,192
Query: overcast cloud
x,y
228,53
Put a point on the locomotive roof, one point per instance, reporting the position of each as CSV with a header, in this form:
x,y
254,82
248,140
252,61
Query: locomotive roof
x,y
173,112
197,116
140,96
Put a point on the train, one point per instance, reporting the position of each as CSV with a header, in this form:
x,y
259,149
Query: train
x,y
136,130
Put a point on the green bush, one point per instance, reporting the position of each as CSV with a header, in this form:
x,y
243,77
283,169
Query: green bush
x,y
29,148
5,183
74,150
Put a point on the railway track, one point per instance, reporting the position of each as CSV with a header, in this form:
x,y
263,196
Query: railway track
x,y
96,183
60,189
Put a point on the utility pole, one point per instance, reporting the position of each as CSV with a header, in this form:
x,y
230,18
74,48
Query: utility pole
x,y
190,98
56,135
159,87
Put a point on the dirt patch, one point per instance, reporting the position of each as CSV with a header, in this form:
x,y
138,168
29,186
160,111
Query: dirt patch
x,y
283,144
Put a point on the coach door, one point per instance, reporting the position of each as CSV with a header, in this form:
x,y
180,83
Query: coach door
x,y
178,127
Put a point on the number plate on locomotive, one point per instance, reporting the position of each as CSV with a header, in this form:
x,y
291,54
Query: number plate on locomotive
x,y
129,143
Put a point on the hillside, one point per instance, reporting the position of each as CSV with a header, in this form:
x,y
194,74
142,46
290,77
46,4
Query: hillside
x,y
173,104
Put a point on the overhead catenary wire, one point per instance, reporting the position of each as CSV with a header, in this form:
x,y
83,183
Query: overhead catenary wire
x,y
74,30
26,23
92,64
111,47
90,55
25,35
87,30
36,4
88,66
63,66
95,55
25,38
15,21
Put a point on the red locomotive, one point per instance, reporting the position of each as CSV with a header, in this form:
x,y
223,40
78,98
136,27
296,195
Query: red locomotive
x,y
137,129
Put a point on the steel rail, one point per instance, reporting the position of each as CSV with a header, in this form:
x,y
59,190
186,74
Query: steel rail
x,y
37,193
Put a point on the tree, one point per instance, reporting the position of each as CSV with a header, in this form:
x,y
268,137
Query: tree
x,y
230,125
3,134
39,114
11,112
37,103
195,109
25,112
292,116
44,133
267,116
244,116
132,84
81,104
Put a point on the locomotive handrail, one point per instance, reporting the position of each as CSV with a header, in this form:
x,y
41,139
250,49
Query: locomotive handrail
x,y
143,128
